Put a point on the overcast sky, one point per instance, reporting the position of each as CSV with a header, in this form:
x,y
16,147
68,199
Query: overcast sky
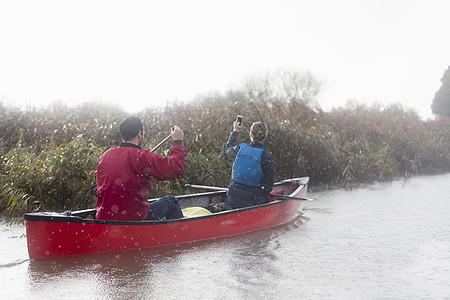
x,y
140,53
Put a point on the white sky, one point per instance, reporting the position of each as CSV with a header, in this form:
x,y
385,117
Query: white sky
x,y
138,53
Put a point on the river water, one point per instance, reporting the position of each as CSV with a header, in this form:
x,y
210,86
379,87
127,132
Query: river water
x,y
384,241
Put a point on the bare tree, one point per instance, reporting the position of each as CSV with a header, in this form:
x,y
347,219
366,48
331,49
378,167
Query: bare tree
x,y
441,101
287,85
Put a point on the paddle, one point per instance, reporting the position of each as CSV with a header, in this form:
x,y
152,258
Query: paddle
x,y
206,187
161,143
284,197
281,197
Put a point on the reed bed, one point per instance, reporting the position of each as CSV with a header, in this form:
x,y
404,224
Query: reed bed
x,y
49,155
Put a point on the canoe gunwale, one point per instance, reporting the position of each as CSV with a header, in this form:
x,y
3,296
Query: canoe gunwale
x,y
77,216
42,217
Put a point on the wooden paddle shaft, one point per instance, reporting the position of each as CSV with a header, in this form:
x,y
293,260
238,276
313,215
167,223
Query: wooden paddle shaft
x,y
206,187
282,197
160,143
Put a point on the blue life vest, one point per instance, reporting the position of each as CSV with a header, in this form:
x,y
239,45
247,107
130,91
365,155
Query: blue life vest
x,y
247,166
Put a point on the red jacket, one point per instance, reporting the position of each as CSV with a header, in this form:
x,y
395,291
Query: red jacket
x,y
124,176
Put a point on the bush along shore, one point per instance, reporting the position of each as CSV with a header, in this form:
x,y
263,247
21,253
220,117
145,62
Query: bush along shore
x,y
49,155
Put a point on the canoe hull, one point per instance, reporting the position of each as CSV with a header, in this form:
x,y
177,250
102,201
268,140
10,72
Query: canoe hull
x,y
59,235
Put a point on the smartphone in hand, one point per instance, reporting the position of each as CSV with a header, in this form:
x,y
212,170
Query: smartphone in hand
x,y
239,119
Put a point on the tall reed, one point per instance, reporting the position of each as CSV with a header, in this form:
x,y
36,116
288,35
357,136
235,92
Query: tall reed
x,y
49,155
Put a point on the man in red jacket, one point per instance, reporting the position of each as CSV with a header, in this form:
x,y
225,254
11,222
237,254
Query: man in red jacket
x,y
124,176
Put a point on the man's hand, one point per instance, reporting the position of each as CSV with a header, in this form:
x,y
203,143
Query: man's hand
x,y
176,133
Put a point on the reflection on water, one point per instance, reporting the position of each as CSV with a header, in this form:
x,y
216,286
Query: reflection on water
x,y
246,265
386,241
92,276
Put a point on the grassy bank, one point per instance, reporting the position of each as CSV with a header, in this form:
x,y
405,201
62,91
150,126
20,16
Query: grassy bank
x,y
49,155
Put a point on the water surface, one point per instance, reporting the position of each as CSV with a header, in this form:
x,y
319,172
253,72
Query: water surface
x,y
385,241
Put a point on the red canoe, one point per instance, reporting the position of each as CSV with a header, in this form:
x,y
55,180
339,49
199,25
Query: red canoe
x,y
59,234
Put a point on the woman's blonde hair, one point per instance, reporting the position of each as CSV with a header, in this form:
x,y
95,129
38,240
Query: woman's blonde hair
x,y
259,131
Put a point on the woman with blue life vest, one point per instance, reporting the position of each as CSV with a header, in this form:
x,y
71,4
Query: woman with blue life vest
x,y
252,175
